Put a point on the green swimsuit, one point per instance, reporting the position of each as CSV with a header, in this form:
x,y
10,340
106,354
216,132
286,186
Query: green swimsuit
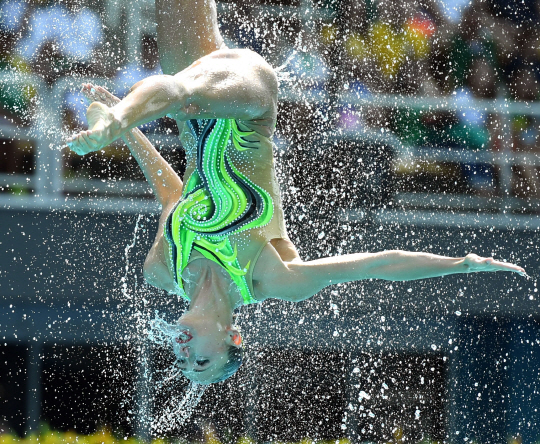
x,y
218,201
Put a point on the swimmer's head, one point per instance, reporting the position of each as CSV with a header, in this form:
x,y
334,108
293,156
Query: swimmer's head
x,y
233,362
208,353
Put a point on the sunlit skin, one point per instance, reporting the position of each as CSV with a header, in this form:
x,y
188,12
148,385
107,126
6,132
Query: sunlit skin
x,y
204,79
206,328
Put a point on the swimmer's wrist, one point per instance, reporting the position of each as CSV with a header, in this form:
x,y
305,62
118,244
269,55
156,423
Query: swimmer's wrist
x,y
460,265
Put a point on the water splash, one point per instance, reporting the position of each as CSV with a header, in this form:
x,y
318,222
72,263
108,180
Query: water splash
x,y
175,413
144,330
177,409
128,248
162,332
285,76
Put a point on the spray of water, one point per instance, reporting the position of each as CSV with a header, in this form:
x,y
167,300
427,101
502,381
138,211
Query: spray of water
x,y
157,331
128,248
175,412
282,75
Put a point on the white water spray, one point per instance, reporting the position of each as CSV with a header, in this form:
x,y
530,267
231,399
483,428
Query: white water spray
x,y
285,76
177,408
128,248
174,413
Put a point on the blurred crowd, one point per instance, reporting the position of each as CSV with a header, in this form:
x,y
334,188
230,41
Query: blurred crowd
x,y
482,50
52,39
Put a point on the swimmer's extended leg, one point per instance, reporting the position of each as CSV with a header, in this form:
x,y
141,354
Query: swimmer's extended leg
x,y
164,181
187,30
229,84
301,280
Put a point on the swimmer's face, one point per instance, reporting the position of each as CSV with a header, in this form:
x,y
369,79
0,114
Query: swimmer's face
x,y
202,351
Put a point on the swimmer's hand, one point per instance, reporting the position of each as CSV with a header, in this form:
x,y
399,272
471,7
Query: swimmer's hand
x,y
103,129
474,263
94,93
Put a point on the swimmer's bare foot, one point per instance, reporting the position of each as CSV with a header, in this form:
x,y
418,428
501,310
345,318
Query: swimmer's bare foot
x,y
103,129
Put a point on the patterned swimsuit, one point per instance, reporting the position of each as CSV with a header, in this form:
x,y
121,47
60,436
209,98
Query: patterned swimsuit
x,y
219,201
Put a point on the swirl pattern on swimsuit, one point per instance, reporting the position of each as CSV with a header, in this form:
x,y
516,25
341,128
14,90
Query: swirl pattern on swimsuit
x,y
218,201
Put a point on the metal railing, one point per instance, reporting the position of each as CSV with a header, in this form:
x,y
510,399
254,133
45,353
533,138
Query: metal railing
x,y
502,160
50,185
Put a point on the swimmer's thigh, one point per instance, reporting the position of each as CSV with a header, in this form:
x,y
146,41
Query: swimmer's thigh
x,y
187,30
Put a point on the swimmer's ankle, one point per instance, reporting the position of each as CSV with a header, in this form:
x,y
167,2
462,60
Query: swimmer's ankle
x,y
110,123
120,124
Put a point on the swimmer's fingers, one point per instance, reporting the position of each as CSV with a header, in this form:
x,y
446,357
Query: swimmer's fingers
x,y
89,92
475,263
95,93
505,266
106,97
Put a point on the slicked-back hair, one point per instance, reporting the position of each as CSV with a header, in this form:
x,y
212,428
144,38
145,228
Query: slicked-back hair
x,y
235,356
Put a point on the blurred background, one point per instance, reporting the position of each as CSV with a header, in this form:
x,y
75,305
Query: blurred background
x,y
404,124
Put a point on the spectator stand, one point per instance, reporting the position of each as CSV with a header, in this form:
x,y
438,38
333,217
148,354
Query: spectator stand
x,y
490,173
502,157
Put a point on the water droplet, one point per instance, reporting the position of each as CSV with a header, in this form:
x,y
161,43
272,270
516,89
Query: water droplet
x,y
159,172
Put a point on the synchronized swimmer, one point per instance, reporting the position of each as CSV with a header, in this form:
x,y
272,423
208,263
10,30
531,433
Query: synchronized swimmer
x,y
222,240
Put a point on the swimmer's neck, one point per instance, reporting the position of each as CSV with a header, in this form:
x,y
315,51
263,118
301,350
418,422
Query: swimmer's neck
x,y
210,289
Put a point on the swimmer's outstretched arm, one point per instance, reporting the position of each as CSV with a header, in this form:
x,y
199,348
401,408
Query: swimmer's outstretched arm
x,y
304,279
233,84
164,181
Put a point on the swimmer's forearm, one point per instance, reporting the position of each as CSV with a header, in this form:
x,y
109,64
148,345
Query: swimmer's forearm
x,y
165,183
301,280
396,265
305,279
